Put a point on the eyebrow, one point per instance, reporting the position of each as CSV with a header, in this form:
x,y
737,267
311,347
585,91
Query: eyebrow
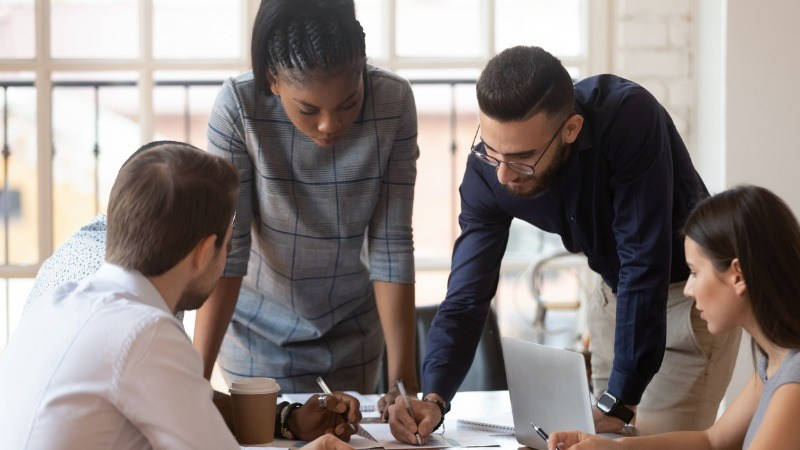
x,y
517,154
309,105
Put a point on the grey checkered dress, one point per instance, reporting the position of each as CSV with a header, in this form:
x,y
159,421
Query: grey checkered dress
x,y
314,227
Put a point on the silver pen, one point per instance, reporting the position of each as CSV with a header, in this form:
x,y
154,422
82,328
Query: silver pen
x,y
358,429
402,388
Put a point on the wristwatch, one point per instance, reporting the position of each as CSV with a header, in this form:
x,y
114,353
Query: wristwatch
x,y
610,406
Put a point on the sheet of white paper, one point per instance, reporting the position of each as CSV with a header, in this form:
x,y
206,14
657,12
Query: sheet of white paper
x,y
451,438
381,432
357,442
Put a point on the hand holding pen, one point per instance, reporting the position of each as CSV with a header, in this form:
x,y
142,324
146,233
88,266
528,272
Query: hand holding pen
x,y
358,429
402,388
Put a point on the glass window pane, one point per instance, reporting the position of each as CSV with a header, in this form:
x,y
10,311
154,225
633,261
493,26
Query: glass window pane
x,y
95,28
439,169
197,29
19,213
372,16
455,24
16,29
81,179
555,25
181,95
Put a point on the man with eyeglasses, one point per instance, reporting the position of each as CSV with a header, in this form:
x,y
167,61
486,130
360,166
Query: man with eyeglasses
x,y
601,164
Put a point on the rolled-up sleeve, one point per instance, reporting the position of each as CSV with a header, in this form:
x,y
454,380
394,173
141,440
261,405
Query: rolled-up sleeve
x,y
226,138
391,241
642,189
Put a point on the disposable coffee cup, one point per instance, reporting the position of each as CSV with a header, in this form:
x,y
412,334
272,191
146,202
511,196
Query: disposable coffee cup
x,y
254,402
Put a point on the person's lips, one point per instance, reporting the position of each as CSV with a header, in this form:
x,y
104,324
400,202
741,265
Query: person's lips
x,y
327,141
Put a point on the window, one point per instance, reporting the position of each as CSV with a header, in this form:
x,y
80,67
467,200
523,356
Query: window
x,y
114,74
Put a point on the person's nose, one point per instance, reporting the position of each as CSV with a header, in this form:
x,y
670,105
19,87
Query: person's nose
x,y
505,174
329,124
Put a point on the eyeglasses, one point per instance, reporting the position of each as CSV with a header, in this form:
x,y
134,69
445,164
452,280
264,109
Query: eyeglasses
x,y
521,168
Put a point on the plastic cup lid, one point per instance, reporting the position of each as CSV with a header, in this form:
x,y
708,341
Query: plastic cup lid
x,y
255,386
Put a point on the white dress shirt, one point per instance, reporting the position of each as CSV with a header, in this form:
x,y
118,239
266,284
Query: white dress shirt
x,y
104,364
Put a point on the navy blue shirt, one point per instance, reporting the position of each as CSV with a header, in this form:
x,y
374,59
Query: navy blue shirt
x,y
621,198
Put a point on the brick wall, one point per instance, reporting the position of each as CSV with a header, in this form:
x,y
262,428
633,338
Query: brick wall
x,y
651,43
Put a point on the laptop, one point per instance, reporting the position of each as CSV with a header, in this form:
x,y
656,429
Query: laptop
x,y
548,387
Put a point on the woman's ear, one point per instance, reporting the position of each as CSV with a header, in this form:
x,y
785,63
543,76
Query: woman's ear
x,y
272,79
737,277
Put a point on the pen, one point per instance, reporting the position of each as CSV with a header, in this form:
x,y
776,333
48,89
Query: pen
x,y
357,429
402,388
541,433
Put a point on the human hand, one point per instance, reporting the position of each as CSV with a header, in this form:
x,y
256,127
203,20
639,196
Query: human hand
x,y
388,399
312,420
403,426
327,442
577,440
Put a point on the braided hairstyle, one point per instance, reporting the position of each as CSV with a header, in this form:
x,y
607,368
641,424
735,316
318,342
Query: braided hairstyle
x,y
301,38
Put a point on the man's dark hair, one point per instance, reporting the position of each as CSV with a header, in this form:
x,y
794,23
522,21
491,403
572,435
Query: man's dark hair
x,y
168,197
522,81
299,37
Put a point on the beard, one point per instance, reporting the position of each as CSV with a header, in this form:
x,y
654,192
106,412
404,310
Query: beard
x,y
533,185
195,294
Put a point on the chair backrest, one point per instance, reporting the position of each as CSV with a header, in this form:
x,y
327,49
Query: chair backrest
x,y
487,372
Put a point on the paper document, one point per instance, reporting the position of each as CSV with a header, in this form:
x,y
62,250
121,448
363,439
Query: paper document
x,y
381,432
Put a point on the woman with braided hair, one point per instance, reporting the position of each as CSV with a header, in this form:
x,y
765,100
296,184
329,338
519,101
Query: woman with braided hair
x,y
321,267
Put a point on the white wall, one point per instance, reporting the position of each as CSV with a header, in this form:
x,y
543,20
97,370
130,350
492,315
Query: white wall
x,y
709,75
762,107
651,43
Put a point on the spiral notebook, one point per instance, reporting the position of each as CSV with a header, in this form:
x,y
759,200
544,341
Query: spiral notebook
x,y
502,422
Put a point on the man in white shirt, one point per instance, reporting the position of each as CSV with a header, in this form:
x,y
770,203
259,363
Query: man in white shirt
x,y
104,363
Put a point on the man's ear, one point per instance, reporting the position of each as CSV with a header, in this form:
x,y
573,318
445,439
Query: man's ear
x,y
204,252
737,278
572,127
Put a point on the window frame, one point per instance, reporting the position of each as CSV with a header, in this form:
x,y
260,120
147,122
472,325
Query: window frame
x,y
596,14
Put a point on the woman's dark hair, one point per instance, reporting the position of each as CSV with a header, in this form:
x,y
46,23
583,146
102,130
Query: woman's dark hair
x,y
522,81
300,37
754,225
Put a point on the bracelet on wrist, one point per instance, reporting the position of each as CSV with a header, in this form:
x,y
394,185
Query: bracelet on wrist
x,y
285,413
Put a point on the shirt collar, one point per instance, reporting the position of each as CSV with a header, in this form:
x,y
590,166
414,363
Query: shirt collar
x,y
584,139
133,282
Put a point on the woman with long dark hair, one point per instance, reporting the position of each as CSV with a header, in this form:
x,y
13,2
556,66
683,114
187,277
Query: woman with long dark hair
x,y
326,149
743,251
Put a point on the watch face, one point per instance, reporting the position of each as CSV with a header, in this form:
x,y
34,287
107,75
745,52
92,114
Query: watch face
x,y
606,403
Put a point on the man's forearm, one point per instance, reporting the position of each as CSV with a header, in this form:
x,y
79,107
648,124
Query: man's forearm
x,y
212,320
396,309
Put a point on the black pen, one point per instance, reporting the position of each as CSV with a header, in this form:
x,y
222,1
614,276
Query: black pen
x,y
541,433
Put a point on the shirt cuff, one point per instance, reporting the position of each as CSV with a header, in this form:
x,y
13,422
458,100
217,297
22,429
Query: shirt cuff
x,y
627,388
436,382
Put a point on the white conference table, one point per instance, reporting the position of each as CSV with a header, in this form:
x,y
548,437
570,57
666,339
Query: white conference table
x,y
483,403
476,405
